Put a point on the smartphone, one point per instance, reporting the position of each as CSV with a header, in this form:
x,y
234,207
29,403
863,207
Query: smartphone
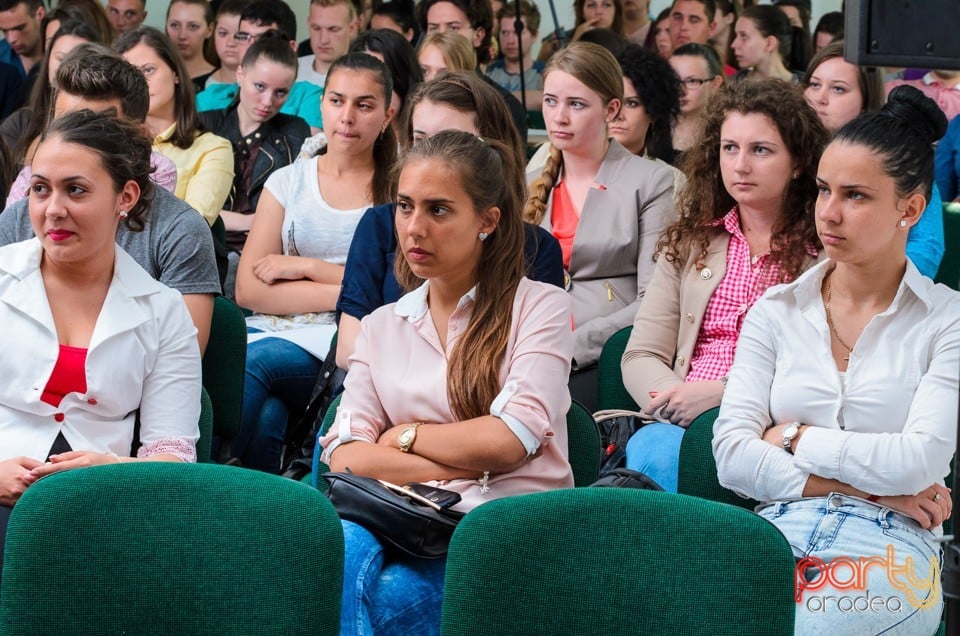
x,y
439,496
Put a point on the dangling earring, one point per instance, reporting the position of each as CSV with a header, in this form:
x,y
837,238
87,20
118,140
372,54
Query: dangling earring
x,y
903,223
483,236
123,214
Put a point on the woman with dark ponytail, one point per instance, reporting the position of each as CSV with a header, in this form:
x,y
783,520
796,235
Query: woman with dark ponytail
x,y
291,266
840,412
462,382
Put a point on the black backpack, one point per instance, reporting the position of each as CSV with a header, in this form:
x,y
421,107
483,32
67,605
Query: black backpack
x,y
616,428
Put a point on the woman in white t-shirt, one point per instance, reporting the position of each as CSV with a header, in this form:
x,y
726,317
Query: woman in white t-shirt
x,y
292,264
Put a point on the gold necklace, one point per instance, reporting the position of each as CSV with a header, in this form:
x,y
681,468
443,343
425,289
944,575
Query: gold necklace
x,y
833,328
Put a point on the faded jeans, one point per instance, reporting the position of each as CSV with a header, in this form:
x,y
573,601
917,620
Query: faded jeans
x,y
863,569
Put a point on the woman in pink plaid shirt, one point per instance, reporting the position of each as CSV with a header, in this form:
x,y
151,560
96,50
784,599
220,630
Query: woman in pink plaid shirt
x,y
745,223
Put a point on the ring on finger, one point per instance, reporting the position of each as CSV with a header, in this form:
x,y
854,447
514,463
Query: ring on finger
x,y
937,497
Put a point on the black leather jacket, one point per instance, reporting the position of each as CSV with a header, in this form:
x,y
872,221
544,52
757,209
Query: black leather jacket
x,y
283,135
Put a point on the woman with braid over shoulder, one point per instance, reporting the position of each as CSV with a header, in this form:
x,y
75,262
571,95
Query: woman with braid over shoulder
x,y
604,204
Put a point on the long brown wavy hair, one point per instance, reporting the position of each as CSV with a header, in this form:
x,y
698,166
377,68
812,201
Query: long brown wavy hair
x,y
705,199
485,169
598,69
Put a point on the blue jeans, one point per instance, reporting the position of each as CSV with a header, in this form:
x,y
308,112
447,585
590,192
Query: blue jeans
x,y
654,450
388,593
887,581
279,379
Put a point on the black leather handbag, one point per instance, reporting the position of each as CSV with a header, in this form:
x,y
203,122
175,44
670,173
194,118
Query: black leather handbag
x,y
401,518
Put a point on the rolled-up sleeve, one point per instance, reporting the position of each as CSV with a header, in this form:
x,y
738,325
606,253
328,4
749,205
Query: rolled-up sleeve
x,y
746,463
535,392
170,403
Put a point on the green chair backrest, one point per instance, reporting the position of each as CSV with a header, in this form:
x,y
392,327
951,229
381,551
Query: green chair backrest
x,y
583,445
698,468
206,428
328,419
949,273
616,561
223,366
611,394
165,548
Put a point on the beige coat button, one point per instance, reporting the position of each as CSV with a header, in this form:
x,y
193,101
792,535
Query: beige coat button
x,y
680,361
705,273
690,318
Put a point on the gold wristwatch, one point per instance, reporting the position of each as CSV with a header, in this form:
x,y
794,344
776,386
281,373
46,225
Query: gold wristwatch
x,y
407,437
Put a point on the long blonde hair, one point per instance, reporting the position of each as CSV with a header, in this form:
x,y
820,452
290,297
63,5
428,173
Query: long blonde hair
x,y
595,67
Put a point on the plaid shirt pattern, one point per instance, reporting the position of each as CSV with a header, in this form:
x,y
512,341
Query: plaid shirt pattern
x,y
745,281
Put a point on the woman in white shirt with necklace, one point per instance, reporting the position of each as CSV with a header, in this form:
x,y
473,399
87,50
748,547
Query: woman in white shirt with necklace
x,y
840,412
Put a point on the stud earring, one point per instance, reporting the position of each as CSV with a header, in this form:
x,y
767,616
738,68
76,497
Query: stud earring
x,y
903,223
123,214
483,236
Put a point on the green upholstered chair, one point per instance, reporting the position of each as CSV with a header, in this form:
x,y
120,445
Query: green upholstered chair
x,y
164,548
616,561
206,428
583,445
223,366
611,394
319,466
949,273
698,469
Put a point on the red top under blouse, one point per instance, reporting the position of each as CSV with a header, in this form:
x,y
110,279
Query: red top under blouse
x,y
563,221
69,375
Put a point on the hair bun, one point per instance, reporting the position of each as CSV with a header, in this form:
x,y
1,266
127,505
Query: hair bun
x,y
910,106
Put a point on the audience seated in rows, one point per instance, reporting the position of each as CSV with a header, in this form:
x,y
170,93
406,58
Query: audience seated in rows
x,y
454,101
292,265
257,18
463,381
76,307
839,91
604,204
204,161
841,410
175,246
746,223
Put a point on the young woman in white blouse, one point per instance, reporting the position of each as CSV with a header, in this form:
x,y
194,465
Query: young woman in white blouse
x,y
292,264
841,409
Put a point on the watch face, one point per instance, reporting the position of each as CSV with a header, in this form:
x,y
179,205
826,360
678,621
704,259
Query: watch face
x,y
790,431
405,437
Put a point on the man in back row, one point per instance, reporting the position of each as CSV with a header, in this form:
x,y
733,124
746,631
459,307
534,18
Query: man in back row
x,y
175,246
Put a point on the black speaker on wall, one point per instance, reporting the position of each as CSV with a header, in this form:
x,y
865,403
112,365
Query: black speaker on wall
x,y
906,33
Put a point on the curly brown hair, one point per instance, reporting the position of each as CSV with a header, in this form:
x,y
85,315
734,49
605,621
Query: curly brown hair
x,y
705,200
